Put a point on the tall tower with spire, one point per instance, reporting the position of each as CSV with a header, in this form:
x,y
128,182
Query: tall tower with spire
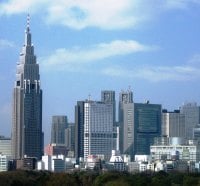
x,y
27,135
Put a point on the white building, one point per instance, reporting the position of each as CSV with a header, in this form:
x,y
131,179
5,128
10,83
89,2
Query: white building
x,y
4,162
47,162
142,158
98,129
173,124
175,149
5,146
117,161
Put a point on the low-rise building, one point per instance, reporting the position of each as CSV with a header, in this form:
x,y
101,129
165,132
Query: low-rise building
x,y
176,149
4,162
117,161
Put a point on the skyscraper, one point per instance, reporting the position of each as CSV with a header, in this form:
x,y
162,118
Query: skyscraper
x,y
173,124
79,129
147,126
98,129
126,122
192,117
93,129
59,124
108,96
27,135
70,137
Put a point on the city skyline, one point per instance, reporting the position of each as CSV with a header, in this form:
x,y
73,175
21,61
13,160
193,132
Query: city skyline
x,y
102,45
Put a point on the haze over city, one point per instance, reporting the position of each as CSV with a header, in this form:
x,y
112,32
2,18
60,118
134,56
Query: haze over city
x,y
84,47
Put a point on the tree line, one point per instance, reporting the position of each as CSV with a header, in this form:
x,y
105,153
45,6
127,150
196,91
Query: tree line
x,y
92,178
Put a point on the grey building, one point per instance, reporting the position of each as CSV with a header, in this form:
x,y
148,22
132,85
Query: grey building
x,y
59,125
93,129
108,96
147,126
98,129
5,146
126,122
70,137
196,132
192,117
173,124
27,135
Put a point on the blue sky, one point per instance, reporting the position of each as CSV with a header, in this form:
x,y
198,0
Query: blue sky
x,y
86,46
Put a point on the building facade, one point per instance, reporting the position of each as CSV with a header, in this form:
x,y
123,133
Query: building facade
x,y
98,129
79,130
27,135
147,126
5,146
70,137
59,125
175,148
108,96
126,123
192,117
173,124
196,132
4,162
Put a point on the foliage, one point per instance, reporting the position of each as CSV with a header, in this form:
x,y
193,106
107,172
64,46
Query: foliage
x,y
91,178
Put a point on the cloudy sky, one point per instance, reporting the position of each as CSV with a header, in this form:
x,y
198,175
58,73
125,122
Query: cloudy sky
x,y
85,46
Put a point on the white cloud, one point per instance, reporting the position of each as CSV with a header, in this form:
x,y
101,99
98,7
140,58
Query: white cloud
x,y
105,14
66,59
6,44
155,73
21,6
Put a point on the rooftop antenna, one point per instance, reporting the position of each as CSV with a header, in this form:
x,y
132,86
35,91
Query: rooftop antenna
x,y
28,22
129,88
89,97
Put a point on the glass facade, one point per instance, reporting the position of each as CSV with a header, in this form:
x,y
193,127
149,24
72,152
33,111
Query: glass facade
x,y
147,125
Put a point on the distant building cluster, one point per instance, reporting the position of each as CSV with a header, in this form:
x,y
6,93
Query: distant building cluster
x,y
136,137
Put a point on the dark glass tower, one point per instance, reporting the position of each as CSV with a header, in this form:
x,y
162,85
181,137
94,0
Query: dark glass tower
x,y
79,129
147,126
27,135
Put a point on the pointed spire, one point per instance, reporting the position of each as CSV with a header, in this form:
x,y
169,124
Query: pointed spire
x,y
28,34
28,23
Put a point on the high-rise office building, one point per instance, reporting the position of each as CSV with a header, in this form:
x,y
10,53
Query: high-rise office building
x,y
79,129
126,122
173,124
98,129
108,96
147,126
93,129
192,117
70,137
59,124
27,135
